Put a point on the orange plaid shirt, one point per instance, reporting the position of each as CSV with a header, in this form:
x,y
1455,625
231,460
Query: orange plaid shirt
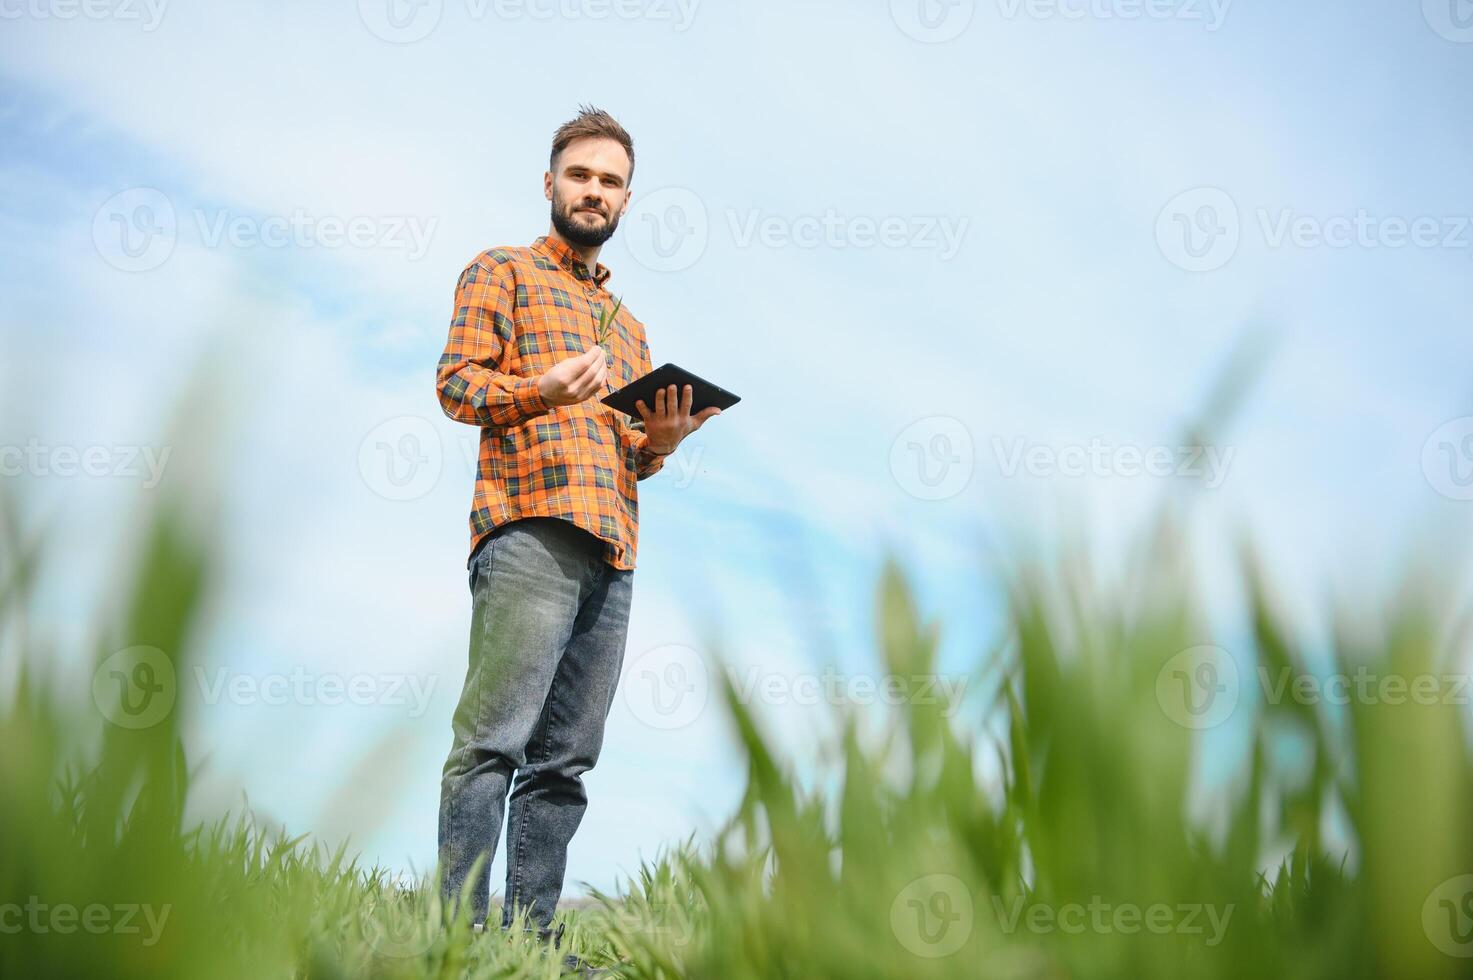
x,y
518,311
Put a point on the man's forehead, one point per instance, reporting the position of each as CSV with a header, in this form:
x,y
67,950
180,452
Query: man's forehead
x,y
604,155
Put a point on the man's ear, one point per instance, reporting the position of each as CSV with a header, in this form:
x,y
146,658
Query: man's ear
x,y
628,196
547,184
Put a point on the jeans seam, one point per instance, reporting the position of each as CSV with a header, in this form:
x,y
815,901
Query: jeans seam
x,y
541,757
455,789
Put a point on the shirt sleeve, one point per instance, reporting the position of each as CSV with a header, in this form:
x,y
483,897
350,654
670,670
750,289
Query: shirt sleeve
x,y
472,381
646,463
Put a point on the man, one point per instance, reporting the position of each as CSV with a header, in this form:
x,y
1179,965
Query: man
x,y
554,523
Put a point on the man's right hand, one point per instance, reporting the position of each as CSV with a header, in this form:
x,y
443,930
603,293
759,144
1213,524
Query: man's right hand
x,y
575,378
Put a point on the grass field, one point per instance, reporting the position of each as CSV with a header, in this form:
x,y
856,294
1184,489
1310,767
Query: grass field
x,y
1068,831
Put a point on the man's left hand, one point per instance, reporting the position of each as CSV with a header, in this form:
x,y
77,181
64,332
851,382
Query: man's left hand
x,y
671,421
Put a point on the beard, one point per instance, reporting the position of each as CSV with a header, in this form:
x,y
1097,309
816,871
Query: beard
x,y
584,230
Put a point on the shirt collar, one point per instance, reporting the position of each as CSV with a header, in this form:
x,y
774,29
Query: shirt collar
x,y
563,254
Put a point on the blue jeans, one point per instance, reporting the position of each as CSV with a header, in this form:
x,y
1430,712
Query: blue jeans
x,y
548,626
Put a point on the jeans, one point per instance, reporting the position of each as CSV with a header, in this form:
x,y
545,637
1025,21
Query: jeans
x,y
548,627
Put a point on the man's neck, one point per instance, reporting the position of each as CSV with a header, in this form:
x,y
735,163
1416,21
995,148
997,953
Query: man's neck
x,y
587,255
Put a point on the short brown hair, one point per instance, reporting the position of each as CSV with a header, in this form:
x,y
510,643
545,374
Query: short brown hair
x,y
591,122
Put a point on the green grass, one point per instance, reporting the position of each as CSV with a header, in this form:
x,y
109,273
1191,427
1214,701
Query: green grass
x,y
1039,836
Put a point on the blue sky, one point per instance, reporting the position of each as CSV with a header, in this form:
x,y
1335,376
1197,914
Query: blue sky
x,y
925,244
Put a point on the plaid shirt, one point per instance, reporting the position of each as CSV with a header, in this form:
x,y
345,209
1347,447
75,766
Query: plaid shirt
x,y
518,311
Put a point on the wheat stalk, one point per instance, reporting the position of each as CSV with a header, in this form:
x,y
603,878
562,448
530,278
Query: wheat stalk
x,y
606,319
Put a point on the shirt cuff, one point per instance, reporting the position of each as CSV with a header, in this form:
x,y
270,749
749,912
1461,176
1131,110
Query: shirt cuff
x,y
646,462
528,399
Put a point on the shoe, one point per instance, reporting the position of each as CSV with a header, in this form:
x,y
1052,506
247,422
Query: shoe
x,y
578,967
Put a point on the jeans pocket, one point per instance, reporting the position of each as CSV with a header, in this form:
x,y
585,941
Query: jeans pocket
x,y
481,560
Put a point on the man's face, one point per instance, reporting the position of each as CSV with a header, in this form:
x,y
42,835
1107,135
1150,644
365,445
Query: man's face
x,y
589,192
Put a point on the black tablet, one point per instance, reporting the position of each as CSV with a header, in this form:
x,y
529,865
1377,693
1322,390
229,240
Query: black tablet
x,y
704,394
